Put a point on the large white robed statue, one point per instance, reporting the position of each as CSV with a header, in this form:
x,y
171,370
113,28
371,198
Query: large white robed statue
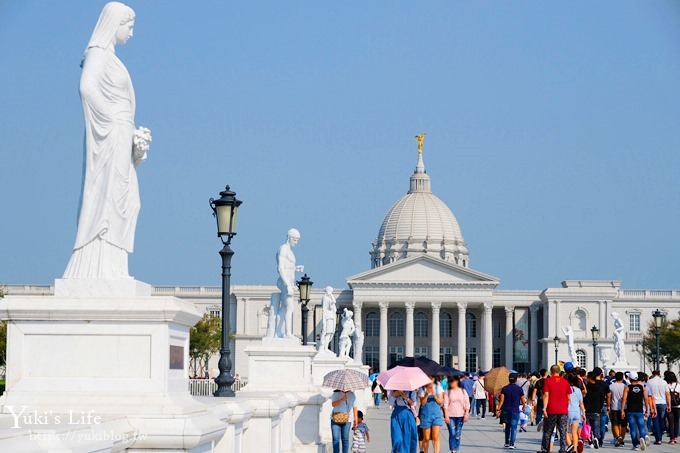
x,y
110,193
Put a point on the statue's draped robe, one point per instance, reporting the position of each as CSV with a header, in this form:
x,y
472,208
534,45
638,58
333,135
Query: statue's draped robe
x,y
110,194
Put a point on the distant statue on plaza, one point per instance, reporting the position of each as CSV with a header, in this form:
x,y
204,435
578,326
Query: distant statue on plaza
x,y
619,337
348,329
571,350
358,345
113,148
280,323
330,310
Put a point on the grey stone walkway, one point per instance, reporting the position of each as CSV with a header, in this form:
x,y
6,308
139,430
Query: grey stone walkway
x,y
479,436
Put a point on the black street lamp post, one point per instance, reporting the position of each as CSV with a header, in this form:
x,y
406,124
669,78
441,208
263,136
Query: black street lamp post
x,y
305,287
225,210
658,319
595,332
556,340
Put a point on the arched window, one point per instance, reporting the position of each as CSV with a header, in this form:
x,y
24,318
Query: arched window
x,y
581,358
396,324
579,321
470,325
420,324
445,325
372,324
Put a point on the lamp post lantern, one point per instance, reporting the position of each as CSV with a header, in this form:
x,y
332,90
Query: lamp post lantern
x,y
225,210
595,332
556,340
305,287
658,319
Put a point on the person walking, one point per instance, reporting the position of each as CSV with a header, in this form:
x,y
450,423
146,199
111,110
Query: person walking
x,y
343,416
661,395
577,415
467,383
511,399
480,396
537,397
614,399
377,393
674,416
456,412
594,401
634,406
431,400
403,430
556,392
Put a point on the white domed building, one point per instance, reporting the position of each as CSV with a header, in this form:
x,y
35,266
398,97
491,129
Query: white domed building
x,y
421,297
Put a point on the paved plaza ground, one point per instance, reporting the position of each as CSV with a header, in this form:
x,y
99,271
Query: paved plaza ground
x,y
479,436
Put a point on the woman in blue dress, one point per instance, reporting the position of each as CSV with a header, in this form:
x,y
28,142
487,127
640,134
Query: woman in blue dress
x,y
403,421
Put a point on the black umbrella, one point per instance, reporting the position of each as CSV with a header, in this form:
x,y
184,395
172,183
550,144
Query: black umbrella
x,y
430,367
448,371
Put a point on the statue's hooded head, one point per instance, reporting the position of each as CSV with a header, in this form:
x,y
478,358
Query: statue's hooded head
x,y
112,17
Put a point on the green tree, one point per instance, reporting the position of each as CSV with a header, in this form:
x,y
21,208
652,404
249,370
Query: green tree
x,y
204,341
669,341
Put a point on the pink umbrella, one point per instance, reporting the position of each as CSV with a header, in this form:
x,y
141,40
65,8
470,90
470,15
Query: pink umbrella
x,y
403,378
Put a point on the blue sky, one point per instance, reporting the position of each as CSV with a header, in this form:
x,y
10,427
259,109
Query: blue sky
x,y
552,134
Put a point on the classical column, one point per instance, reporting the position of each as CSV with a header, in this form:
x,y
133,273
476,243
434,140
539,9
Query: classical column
x,y
383,335
533,334
410,306
434,354
462,347
487,338
358,321
558,327
602,319
509,337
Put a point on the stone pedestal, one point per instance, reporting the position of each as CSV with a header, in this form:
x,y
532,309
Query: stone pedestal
x,y
287,402
107,356
279,365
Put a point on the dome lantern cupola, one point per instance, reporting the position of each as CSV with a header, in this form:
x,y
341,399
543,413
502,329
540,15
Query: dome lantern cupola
x,y
419,223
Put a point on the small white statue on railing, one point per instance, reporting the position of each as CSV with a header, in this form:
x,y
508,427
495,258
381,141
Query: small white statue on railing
x,y
358,345
328,322
280,323
571,349
619,344
346,333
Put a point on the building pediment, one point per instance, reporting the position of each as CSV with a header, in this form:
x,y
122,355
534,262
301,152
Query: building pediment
x,y
422,270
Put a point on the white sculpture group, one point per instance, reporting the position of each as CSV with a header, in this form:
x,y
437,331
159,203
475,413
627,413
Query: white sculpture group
x,y
113,148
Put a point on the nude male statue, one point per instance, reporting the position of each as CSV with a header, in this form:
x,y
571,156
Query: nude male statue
x,y
283,304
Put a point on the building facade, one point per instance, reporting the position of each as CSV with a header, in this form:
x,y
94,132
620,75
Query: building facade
x,y
422,297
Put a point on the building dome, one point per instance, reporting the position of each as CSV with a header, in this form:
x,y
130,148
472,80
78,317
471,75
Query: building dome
x,y
419,223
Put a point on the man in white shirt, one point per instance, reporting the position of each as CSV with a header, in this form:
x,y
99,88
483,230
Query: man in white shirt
x,y
660,397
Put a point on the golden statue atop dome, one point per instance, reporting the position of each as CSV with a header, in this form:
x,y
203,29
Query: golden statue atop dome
x,y
421,138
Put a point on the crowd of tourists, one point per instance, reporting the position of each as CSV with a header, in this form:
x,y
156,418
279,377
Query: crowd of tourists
x,y
574,409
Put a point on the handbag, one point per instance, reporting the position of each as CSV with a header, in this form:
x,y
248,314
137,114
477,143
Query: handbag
x,y
340,417
586,431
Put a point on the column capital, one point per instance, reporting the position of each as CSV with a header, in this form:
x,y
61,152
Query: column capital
x,y
462,306
436,306
488,306
509,311
410,306
357,304
384,306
